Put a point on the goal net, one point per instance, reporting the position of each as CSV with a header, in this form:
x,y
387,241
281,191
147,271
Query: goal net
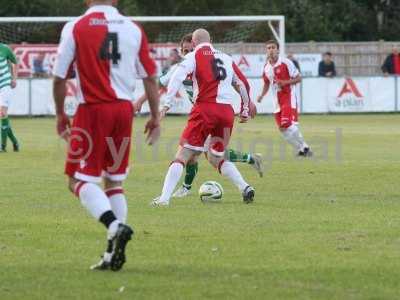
x,y
35,39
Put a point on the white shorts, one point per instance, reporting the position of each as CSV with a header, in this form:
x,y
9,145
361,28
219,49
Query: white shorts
x,y
5,95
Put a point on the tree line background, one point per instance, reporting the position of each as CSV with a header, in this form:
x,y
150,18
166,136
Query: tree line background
x,y
318,20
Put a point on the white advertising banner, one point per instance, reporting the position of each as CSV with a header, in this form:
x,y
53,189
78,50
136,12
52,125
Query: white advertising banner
x,y
251,65
19,104
320,95
364,94
398,93
308,63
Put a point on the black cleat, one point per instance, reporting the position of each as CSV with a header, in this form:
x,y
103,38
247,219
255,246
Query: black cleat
x,y
248,194
122,237
305,153
16,148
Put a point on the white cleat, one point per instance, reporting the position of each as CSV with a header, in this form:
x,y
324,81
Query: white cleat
x,y
157,203
183,191
258,164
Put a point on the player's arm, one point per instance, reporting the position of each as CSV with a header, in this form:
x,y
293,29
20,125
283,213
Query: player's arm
x,y
243,87
265,88
182,70
62,67
14,67
146,69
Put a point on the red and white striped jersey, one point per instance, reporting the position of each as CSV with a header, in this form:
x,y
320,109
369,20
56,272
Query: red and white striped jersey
x,y
283,69
108,52
213,73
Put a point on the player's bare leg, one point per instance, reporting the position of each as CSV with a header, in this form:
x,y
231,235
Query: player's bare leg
x,y
174,174
98,205
229,170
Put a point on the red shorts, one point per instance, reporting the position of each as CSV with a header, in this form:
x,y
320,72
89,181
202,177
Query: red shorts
x,y
100,142
209,120
286,117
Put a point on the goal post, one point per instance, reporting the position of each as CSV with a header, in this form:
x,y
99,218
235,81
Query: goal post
x,y
35,41
276,24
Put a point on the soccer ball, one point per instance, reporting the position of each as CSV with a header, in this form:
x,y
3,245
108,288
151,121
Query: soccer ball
x,y
211,191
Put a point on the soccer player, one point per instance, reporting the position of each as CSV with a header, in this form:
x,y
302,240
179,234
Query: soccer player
x,y
213,73
254,160
282,75
108,52
8,75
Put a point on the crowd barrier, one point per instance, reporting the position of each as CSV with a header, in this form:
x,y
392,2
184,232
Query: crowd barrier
x,y
34,97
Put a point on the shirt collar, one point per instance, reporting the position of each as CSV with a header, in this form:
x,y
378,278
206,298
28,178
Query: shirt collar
x,y
202,45
278,62
101,8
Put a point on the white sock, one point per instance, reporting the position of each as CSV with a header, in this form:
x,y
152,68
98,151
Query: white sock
x,y
93,199
228,169
300,138
294,137
171,180
118,203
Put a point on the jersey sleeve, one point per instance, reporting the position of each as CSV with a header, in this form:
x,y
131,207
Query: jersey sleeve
x,y
11,56
65,53
293,71
164,79
264,76
146,67
182,70
244,88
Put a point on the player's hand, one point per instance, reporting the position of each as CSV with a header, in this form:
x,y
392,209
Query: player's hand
x,y
252,110
63,126
244,116
152,129
137,106
259,98
13,83
163,112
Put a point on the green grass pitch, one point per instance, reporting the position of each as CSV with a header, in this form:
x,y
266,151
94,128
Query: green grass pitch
x,y
326,228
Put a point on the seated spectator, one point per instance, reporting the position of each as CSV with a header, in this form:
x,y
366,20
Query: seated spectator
x,y
327,67
392,63
38,66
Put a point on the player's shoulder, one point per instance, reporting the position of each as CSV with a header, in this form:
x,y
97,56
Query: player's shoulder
x,y
287,61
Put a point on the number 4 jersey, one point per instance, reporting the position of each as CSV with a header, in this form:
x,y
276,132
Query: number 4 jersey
x,y
107,51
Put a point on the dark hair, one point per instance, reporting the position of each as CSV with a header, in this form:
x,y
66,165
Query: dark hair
x,y
187,38
272,42
328,53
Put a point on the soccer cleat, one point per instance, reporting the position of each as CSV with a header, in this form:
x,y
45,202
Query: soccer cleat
x,y
157,203
104,263
306,152
122,237
183,191
16,148
248,194
258,164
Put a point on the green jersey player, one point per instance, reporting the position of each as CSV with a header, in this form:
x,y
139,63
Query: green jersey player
x,y
255,160
8,75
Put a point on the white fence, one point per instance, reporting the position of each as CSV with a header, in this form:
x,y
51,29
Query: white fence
x,y
33,97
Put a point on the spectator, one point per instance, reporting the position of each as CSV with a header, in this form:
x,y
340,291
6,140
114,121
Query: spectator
x,y
392,63
38,66
327,67
294,61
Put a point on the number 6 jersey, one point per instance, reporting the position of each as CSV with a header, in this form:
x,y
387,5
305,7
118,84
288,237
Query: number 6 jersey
x,y
213,74
108,53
